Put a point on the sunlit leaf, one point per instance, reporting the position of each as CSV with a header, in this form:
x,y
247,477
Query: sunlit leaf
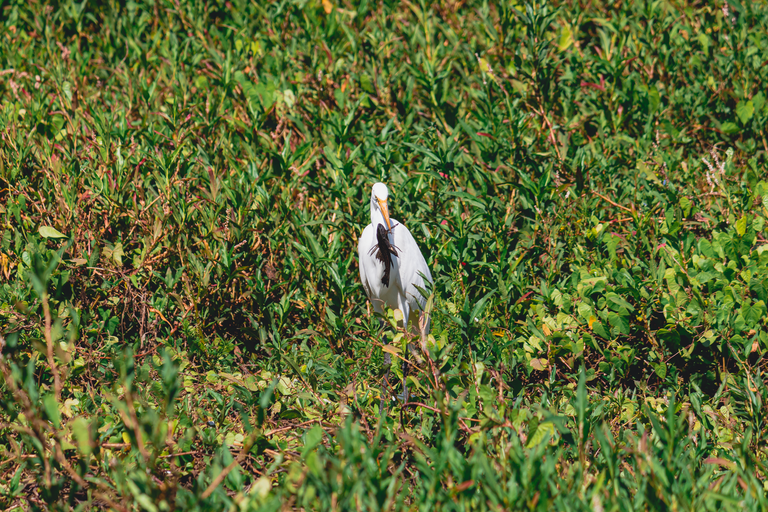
x,y
50,232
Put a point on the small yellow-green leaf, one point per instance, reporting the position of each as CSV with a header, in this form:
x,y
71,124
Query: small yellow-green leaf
x,y
484,66
741,225
49,232
566,38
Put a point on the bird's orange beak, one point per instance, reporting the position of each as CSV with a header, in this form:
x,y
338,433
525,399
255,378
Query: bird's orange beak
x,y
385,212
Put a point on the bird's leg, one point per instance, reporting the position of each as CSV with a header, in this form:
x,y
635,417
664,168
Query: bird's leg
x,y
404,395
385,387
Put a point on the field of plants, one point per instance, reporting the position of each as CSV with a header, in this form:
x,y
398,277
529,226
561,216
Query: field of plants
x,y
182,186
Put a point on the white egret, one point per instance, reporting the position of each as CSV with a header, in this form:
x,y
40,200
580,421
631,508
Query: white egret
x,y
392,268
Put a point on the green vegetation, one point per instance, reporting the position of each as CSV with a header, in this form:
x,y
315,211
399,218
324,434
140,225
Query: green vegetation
x,y
182,185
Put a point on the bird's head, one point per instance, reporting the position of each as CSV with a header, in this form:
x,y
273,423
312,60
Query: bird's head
x,y
379,196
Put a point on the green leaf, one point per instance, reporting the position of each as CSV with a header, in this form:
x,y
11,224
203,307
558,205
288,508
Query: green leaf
x,y
745,110
543,432
758,100
686,205
705,247
49,232
312,438
741,225
117,254
618,301
729,128
566,38
367,83
601,331
759,288
146,502
654,98
51,406
703,277
620,323
477,311
670,337
612,242
82,434
752,313
703,41
330,154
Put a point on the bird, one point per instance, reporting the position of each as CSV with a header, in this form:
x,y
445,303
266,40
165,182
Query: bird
x,y
392,267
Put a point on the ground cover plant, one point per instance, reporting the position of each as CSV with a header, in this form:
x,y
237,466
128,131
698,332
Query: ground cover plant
x,y
182,185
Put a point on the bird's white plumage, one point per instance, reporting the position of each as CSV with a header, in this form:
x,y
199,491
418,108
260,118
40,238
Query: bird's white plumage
x,y
409,268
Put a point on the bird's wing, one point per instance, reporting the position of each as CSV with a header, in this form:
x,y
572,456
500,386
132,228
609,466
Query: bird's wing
x,y
367,265
411,265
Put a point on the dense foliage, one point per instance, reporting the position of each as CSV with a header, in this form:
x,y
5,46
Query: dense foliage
x,y
182,185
